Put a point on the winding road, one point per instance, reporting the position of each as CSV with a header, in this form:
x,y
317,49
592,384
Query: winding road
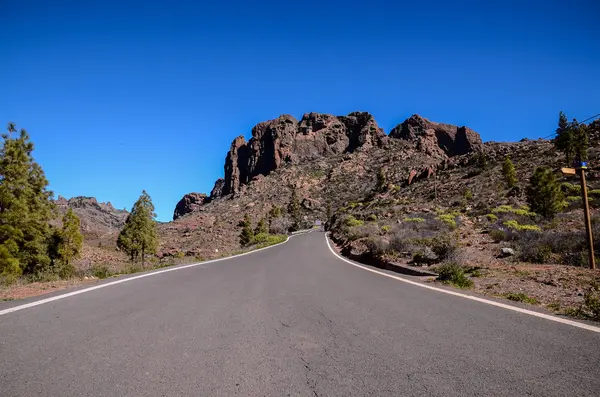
x,y
291,320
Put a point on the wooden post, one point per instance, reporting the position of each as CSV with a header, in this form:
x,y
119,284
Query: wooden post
x,y
588,224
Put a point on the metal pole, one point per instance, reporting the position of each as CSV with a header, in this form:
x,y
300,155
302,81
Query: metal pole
x,y
588,224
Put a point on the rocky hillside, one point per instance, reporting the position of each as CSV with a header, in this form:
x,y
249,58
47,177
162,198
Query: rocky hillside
x,y
98,220
327,160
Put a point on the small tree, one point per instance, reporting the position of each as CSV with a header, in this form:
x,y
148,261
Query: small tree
x,y
508,170
544,194
275,212
294,211
247,234
139,236
381,180
564,141
261,227
70,243
481,160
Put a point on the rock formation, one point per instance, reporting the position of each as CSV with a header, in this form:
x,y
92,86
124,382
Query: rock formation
x,y
285,140
191,202
436,139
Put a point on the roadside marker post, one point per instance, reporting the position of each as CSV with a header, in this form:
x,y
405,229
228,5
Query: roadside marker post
x,y
586,209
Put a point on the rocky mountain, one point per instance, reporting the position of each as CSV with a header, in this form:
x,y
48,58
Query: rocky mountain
x,y
98,220
285,141
327,160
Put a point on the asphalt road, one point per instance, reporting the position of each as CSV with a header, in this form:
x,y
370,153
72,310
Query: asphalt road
x,y
293,320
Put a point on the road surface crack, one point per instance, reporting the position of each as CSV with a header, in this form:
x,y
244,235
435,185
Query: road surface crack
x,y
311,383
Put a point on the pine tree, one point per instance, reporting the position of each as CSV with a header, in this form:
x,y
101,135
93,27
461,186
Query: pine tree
x,y
275,212
247,234
381,180
580,141
294,211
544,194
25,206
261,227
508,170
564,141
69,243
139,236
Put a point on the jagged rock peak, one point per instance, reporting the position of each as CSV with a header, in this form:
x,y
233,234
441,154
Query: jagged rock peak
x,y
437,139
284,140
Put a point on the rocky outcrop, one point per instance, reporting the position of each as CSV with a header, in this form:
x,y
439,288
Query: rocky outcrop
x,y
217,190
191,202
285,140
436,139
362,131
235,165
97,218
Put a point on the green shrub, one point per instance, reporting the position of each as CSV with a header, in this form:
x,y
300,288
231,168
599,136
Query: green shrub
x,y
448,219
372,217
595,192
507,209
492,217
591,304
386,228
570,189
376,246
442,245
425,255
544,193
513,224
535,253
572,199
351,221
260,238
498,235
452,273
521,297
416,220
100,271
272,239
468,195
179,254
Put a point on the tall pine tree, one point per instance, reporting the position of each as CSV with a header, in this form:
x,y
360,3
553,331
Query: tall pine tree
x,y
508,170
294,211
25,207
247,234
565,141
139,236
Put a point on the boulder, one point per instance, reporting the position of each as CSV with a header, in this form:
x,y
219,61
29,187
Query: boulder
x,y
506,252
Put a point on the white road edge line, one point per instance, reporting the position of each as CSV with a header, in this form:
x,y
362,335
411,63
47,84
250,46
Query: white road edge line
x,y
125,280
474,298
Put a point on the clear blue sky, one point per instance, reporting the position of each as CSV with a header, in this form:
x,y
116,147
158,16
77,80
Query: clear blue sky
x,y
121,96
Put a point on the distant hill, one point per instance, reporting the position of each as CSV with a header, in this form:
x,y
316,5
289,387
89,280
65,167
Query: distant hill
x,y
99,221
